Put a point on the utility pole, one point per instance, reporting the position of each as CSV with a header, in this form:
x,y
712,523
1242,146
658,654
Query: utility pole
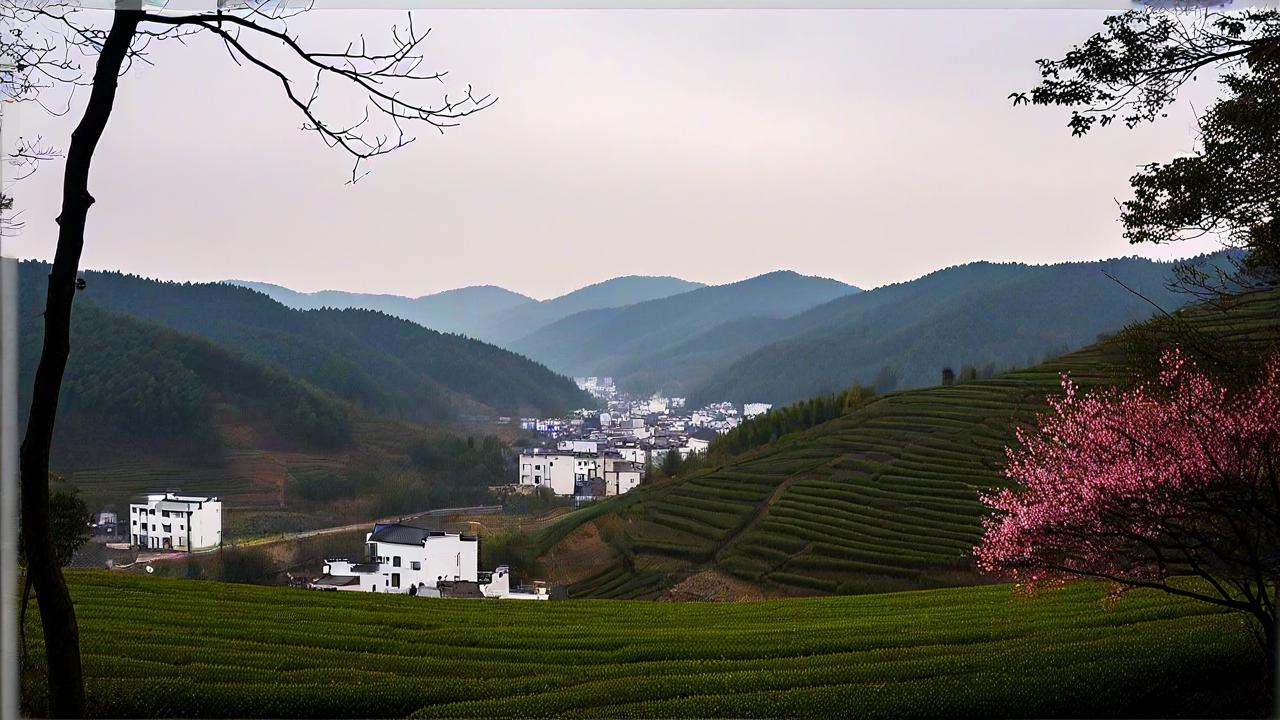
x,y
8,442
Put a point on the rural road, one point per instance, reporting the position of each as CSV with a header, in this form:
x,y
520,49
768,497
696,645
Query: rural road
x,y
304,534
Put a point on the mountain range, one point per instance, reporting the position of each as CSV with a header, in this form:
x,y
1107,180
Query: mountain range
x,y
484,312
988,316
782,336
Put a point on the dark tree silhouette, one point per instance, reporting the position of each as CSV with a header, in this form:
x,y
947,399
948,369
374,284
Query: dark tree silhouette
x,y
1132,71
41,45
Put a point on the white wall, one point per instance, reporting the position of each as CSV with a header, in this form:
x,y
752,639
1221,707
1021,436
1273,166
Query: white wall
x,y
446,557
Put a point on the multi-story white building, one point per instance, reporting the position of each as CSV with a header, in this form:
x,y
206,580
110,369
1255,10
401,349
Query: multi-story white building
x,y
556,470
751,410
176,522
399,557
633,453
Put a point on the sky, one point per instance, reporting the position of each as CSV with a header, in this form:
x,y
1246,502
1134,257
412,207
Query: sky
x,y
871,146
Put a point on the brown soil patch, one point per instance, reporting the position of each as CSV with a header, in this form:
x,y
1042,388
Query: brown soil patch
x,y
583,553
713,586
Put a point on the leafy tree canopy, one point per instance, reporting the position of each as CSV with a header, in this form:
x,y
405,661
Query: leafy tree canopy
x,y
68,518
1133,70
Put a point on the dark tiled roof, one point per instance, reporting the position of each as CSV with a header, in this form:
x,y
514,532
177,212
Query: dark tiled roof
x,y
705,434
459,589
399,534
365,568
337,580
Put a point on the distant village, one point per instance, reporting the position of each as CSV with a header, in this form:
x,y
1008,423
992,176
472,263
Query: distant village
x,y
594,454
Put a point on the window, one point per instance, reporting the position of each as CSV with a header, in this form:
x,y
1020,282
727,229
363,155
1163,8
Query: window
x,y
135,523
167,528
153,526
395,580
415,565
164,513
395,562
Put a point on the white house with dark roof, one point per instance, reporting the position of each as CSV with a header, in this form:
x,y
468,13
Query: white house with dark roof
x,y
176,522
399,557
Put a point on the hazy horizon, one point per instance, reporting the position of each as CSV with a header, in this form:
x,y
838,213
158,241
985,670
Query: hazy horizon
x,y
709,146
234,280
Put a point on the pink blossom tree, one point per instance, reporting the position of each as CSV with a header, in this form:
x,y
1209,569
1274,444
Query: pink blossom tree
x,y
1172,484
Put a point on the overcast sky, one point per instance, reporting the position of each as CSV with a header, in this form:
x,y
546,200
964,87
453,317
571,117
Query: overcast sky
x,y
869,146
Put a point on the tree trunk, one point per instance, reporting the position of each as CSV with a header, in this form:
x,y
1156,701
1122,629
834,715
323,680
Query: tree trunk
x,y
57,615
1269,654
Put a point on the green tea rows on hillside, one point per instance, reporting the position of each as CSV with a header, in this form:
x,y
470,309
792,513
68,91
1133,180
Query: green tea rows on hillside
x,y
184,648
884,498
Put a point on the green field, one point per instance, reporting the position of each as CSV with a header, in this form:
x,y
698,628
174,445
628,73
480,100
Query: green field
x,y
885,498
166,647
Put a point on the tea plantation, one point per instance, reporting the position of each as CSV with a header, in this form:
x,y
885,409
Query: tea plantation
x,y
884,498
190,648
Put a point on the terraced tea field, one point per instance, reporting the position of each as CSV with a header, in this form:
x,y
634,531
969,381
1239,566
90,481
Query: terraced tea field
x,y
158,647
885,498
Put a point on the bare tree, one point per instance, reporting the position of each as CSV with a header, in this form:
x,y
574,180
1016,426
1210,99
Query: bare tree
x,y
43,45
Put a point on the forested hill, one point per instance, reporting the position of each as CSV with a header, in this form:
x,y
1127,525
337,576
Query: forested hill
x,y
383,364
146,408
132,386
883,497
990,316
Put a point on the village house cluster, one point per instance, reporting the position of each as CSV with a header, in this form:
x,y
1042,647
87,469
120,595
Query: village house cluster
x,y
601,453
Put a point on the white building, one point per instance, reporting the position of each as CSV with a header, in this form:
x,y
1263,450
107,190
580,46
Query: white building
x,y
579,446
176,522
497,584
621,477
408,560
695,445
633,453
400,557
555,470
751,410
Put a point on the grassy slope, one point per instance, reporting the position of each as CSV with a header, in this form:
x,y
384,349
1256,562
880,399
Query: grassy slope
x,y
885,498
162,647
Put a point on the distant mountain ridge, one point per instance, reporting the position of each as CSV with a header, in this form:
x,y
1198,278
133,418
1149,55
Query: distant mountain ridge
x,y
455,311
507,327
1001,315
607,341
484,312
